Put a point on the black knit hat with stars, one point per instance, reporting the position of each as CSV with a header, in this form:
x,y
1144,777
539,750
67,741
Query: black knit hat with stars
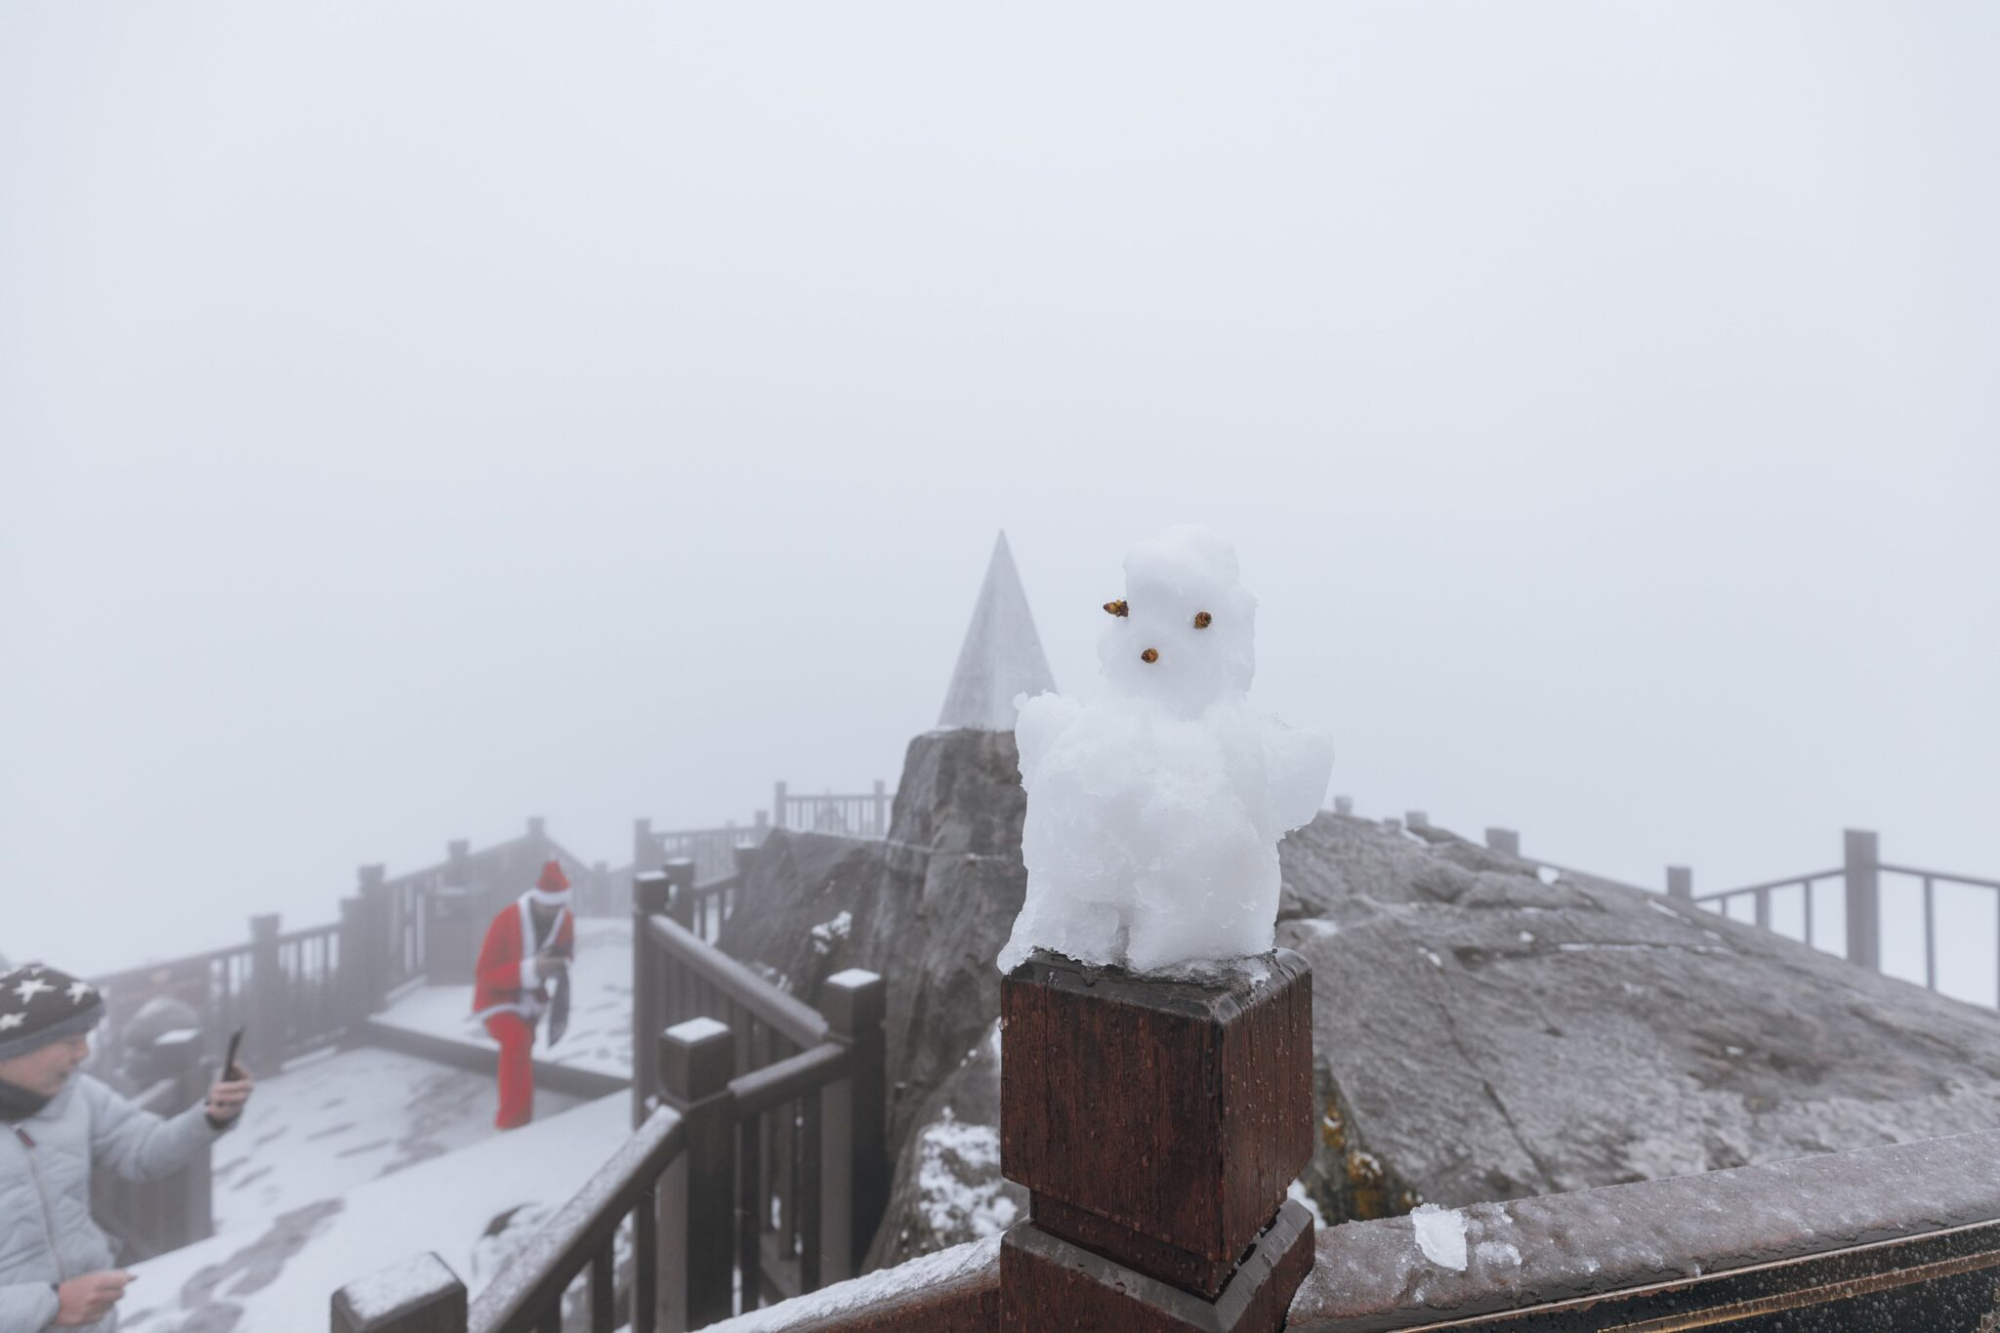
x,y
39,1005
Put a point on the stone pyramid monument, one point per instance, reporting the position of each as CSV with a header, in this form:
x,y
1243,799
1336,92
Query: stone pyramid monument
x,y
1002,655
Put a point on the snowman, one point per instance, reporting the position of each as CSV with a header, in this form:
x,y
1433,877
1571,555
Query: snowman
x,y
1155,810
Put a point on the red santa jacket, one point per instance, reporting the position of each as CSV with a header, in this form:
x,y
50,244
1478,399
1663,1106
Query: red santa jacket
x,y
506,980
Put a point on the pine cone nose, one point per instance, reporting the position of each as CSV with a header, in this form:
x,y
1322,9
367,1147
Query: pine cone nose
x,y
1150,655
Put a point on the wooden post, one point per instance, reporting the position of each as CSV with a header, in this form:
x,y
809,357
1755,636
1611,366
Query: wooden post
x,y
374,969
645,851
352,986
265,1039
1158,1126
1504,840
419,1295
1343,805
650,893
881,808
680,872
600,889
1864,899
854,1128
778,805
698,1194
1680,884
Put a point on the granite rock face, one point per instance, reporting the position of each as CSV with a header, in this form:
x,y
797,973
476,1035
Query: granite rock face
x,y
1479,1034
928,907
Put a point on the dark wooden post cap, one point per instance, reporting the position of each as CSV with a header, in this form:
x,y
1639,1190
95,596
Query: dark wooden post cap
x,y
680,869
697,1060
853,1001
651,892
419,1295
1158,1122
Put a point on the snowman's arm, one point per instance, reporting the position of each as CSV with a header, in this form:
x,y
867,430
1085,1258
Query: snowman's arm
x,y
1042,719
1298,764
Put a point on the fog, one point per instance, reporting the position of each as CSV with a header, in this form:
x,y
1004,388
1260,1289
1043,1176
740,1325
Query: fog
x,y
419,418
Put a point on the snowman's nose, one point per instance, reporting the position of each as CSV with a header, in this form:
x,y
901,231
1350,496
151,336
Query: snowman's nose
x,y
1150,655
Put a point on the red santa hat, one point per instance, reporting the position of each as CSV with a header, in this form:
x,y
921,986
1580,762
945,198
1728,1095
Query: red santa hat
x,y
552,889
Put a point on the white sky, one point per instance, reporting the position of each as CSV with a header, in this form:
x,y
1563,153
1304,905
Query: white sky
x,y
416,417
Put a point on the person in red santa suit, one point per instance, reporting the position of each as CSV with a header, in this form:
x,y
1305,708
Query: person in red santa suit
x,y
525,957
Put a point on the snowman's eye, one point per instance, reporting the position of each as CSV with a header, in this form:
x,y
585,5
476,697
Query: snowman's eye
x,y
1150,655
1117,608
1202,620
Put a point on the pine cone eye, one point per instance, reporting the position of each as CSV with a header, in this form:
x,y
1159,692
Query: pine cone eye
x,y
1150,655
1202,620
1117,608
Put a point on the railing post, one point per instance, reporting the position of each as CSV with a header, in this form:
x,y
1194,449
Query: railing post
x,y
1416,819
881,808
1158,1126
1343,805
374,960
680,871
778,805
854,1113
600,889
1504,840
1864,891
1680,884
650,892
645,851
419,1295
698,1193
538,828
352,988
265,1039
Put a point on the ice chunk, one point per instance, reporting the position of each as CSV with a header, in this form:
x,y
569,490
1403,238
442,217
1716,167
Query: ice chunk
x,y
1441,1235
1155,810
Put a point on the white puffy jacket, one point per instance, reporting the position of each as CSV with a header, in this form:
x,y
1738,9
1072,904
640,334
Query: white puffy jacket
x,y
46,1231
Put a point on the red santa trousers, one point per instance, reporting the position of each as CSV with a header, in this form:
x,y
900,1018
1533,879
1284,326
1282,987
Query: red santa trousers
x,y
517,1069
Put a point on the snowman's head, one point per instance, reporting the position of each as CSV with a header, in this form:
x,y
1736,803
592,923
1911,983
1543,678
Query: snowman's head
x,y
1184,633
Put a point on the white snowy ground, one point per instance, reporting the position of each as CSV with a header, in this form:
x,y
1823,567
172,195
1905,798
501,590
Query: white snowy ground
x,y
471,1206
600,1018
332,1121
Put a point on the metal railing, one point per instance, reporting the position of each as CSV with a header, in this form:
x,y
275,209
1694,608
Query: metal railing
x,y
1858,880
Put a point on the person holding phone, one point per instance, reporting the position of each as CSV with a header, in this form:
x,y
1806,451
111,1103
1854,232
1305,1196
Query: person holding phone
x,y
522,962
57,1125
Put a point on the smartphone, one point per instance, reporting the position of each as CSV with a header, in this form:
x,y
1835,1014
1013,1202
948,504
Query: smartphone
x,y
229,1060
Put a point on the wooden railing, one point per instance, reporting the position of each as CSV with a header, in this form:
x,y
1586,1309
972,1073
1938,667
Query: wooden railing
x,y
758,1168
854,815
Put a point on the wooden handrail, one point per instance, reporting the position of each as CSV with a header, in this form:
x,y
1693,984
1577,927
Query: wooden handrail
x,y
785,1014
761,1090
521,1295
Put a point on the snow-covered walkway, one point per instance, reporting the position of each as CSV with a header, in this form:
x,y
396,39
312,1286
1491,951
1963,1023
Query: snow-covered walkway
x,y
287,1246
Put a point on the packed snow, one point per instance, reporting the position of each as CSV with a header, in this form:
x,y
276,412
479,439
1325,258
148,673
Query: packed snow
x,y
958,1179
1441,1235
473,1207
1155,810
333,1120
